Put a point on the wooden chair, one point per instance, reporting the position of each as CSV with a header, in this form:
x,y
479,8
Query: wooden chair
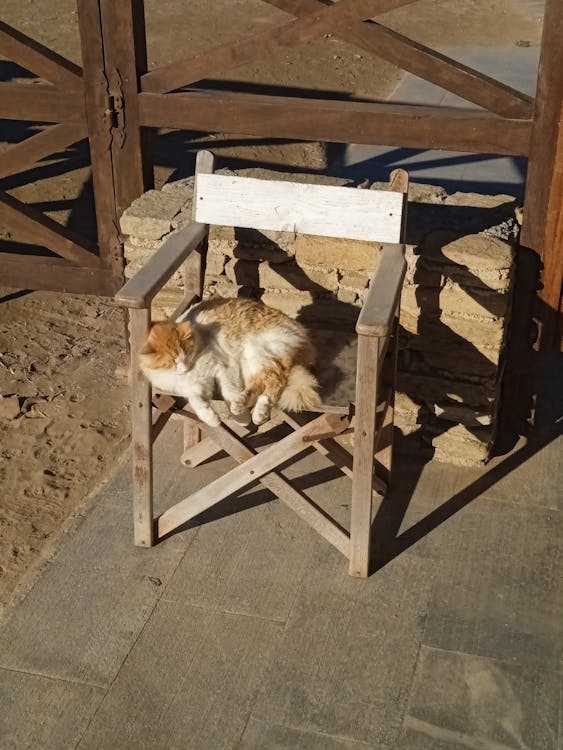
x,y
365,454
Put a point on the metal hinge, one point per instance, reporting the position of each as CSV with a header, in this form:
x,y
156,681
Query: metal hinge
x,y
114,111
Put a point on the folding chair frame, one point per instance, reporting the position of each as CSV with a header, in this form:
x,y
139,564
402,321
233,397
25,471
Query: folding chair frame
x,y
368,464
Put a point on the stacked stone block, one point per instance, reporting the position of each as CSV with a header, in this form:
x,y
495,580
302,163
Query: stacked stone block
x,y
455,305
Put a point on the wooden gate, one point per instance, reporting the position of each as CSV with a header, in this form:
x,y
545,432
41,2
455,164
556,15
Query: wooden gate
x,y
76,103
123,101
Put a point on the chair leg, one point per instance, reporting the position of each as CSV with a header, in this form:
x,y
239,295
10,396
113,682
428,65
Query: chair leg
x,y
388,380
192,436
193,285
364,443
141,417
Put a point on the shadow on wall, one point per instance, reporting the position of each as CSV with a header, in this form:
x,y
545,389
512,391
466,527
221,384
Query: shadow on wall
x,y
443,370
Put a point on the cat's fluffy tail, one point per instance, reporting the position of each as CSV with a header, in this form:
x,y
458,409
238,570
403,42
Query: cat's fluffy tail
x,y
300,393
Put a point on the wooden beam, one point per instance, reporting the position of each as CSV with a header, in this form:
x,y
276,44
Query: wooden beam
x,y
542,229
194,272
267,43
42,103
38,59
425,63
280,205
197,453
33,226
388,124
545,131
305,508
551,294
50,140
54,275
337,454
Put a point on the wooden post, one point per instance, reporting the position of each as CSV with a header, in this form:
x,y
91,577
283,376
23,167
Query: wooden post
x,y
364,444
141,420
96,98
125,54
193,286
113,58
542,228
193,283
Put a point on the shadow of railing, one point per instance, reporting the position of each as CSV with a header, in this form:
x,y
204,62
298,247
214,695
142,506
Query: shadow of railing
x,y
451,171
389,541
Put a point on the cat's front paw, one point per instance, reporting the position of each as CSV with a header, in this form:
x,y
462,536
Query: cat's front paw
x,y
239,404
210,418
261,412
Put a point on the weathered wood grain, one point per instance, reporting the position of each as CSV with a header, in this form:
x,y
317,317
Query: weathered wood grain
x,y
387,124
139,290
33,226
383,296
297,207
25,154
426,63
38,59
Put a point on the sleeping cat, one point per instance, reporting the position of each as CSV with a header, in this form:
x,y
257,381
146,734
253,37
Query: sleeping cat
x,y
257,356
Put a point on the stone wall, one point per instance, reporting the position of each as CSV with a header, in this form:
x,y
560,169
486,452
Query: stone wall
x,y
454,311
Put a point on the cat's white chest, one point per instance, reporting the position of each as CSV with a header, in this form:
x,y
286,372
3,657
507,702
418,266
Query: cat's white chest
x,y
169,381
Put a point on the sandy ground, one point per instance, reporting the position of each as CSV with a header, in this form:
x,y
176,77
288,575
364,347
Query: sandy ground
x,y
63,414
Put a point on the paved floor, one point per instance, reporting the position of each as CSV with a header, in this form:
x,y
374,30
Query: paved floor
x,y
248,633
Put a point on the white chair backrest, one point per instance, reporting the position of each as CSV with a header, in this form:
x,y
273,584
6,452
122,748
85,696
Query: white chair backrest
x,y
276,205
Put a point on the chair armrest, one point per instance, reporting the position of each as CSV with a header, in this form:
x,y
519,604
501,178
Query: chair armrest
x,y
383,295
143,286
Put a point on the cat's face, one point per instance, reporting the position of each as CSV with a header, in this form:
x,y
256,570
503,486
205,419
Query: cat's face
x,y
170,346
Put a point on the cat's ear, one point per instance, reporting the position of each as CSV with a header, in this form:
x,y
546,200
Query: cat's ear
x,y
150,346
184,330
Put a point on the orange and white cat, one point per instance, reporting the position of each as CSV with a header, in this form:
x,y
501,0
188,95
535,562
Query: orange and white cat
x,y
257,356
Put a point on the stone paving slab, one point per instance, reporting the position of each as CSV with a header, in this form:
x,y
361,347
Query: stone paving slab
x,y
188,684
497,552
251,562
259,735
98,592
93,599
499,592
39,712
333,672
464,701
535,482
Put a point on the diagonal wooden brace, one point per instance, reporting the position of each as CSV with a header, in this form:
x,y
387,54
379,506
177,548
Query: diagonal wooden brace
x,y
248,472
309,27
337,454
273,481
422,61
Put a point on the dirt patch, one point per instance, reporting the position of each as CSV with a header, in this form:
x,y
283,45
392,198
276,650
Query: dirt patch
x,y
63,416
